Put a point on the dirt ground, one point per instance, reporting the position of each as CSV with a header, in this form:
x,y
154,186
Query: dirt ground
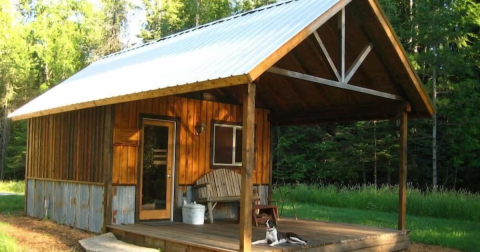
x,y
40,235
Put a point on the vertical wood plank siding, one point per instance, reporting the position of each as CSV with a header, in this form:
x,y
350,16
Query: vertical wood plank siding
x,y
194,156
67,146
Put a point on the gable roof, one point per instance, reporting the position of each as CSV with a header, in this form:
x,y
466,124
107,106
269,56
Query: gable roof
x,y
228,52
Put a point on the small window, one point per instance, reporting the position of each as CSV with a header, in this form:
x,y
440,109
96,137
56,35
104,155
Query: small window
x,y
227,145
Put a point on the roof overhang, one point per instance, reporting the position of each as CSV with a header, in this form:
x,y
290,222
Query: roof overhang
x,y
300,39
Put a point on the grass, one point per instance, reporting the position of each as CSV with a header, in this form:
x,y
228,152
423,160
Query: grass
x,y
11,203
12,186
8,205
459,234
7,243
461,205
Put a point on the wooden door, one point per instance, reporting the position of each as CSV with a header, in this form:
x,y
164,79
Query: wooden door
x,y
156,173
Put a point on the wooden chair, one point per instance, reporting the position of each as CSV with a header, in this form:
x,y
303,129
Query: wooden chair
x,y
219,185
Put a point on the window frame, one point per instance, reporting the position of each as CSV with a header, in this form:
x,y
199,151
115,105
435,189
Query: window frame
x,y
235,127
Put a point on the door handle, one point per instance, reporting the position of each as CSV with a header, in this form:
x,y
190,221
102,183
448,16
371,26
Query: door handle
x,y
169,176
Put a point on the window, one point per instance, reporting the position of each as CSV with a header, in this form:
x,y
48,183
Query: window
x,y
227,145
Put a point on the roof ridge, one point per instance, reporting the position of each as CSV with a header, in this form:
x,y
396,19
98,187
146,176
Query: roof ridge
x,y
179,33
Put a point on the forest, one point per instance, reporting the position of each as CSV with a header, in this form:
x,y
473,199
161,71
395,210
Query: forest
x,y
43,42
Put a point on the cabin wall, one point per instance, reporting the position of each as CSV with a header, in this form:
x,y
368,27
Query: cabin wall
x,y
68,156
67,146
193,159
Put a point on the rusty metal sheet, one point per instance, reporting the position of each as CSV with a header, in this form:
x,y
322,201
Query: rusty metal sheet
x,y
60,213
30,197
96,209
48,197
123,204
226,210
38,204
264,194
82,207
189,194
70,203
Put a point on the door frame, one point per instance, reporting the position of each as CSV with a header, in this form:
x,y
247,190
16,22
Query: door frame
x,y
173,190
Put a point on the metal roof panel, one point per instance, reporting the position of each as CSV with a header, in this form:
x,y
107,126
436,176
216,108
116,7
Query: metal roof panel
x,y
229,47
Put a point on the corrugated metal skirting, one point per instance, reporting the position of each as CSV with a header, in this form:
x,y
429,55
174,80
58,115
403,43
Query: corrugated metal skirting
x,y
72,204
123,204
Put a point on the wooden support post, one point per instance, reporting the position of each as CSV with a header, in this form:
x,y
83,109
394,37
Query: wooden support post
x,y
341,39
27,163
248,162
107,166
402,176
270,166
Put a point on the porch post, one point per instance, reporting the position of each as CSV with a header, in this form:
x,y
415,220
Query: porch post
x,y
402,176
245,224
107,166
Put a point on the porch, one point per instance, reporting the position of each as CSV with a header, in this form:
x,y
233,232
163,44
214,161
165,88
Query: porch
x,y
224,235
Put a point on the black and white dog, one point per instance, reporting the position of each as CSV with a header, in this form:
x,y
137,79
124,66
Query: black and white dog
x,y
273,237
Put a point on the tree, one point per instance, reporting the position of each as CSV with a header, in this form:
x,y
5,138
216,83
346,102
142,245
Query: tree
x,y
43,44
163,18
14,66
116,24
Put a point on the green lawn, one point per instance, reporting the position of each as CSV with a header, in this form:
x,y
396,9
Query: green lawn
x,y
11,203
463,235
8,205
12,186
7,243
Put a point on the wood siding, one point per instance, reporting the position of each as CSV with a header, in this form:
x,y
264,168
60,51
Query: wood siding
x,y
68,146
193,159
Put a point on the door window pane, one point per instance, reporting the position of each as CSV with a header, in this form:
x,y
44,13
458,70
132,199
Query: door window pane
x,y
155,149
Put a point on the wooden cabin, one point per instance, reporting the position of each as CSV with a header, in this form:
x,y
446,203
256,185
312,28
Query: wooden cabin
x,y
124,140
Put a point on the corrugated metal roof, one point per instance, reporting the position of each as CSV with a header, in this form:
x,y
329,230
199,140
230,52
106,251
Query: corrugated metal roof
x,y
232,46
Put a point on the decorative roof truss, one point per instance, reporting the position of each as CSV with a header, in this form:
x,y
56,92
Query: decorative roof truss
x,y
343,77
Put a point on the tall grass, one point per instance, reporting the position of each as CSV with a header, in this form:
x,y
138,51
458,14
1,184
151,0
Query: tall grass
x,y
451,233
12,186
441,203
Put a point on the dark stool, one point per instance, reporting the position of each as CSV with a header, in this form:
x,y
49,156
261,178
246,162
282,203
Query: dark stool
x,y
268,209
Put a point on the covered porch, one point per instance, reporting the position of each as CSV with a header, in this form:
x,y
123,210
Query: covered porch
x,y
223,236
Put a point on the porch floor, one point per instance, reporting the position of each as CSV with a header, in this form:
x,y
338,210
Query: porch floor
x,y
223,236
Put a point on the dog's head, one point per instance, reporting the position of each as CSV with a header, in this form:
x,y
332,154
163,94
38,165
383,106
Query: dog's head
x,y
269,224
